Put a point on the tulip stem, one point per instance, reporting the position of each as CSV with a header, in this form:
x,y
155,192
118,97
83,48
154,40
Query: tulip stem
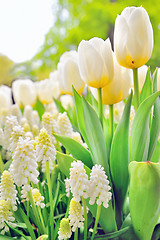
x,y
100,106
111,121
136,89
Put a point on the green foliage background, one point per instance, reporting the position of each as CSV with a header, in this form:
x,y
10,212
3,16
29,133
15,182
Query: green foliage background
x,y
83,19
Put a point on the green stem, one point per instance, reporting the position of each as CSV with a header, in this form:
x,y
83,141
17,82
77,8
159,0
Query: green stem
x,y
1,164
136,89
100,106
76,234
41,218
85,217
50,199
111,121
28,209
42,231
96,221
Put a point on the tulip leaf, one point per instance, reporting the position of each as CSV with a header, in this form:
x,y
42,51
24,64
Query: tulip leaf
x,y
39,107
80,115
155,126
76,149
147,89
156,154
95,137
107,218
140,134
119,156
156,233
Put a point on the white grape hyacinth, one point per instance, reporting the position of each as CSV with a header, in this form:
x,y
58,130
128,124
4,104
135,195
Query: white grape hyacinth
x,y
11,122
75,214
78,182
5,216
16,111
99,187
8,190
24,165
64,230
65,126
17,132
38,198
45,150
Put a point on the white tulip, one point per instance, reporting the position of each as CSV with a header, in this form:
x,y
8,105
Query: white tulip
x,y
118,88
24,92
5,97
96,62
133,37
47,90
68,73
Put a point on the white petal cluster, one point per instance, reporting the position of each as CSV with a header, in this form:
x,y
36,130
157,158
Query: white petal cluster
x,y
64,230
8,190
24,166
11,122
1,137
65,126
38,198
79,184
45,150
5,216
16,111
99,187
24,192
75,215
50,124
15,135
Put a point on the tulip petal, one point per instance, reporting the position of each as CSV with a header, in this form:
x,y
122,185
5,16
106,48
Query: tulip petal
x,y
90,63
120,39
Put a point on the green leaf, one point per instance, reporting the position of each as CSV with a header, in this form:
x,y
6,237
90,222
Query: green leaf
x,y
95,137
76,149
119,156
107,218
140,134
39,107
28,224
156,154
80,115
156,233
59,106
155,127
16,231
147,89
113,235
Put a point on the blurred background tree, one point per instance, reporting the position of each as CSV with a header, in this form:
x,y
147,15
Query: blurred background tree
x,y
83,19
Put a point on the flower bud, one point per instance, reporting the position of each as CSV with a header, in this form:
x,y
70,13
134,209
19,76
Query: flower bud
x,y
144,197
96,62
133,37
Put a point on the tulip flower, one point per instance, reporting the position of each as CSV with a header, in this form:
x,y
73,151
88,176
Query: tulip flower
x,y
144,197
24,92
133,37
68,73
47,90
5,97
96,62
118,88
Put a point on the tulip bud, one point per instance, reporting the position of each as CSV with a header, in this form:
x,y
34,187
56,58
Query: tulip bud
x,y
133,37
47,90
118,88
68,73
5,97
24,92
144,197
96,62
